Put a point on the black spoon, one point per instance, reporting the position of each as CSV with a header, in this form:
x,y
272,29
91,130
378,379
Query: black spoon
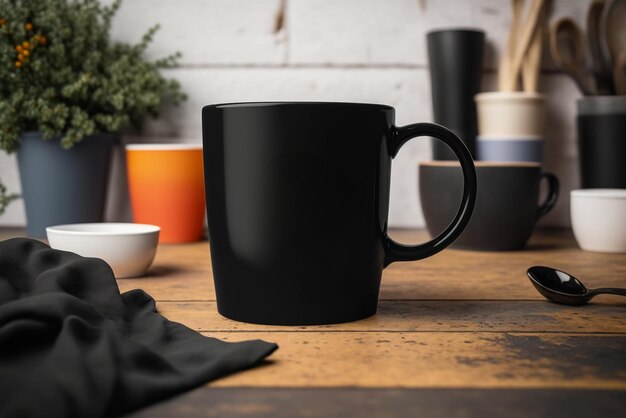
x,y
560,287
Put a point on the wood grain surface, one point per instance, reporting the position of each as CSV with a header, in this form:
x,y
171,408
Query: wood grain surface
x,y
459,334
389,403
437,359
183,272
429,316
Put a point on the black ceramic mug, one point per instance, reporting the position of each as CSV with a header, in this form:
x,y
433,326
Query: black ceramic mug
x,y
297,202
507,207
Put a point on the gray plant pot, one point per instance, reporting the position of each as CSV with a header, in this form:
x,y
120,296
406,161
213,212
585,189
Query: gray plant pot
x,y
63,186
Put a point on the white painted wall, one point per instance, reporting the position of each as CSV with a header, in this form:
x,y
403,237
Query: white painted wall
x,y
343,50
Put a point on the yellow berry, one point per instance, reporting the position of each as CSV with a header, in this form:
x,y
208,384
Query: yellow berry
x,y
26,53
19,48
28,26
25,44
20,57
18,64
42,40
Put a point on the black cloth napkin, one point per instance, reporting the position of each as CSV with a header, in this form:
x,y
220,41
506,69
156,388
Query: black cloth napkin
x,y
72,346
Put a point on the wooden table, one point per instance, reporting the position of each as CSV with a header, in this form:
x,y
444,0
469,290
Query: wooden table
x,y
459,334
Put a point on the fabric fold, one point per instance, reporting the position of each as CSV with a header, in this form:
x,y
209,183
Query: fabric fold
x,y
72,346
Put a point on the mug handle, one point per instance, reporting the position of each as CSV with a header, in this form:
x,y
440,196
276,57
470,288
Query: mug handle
x,y
400,135
553,194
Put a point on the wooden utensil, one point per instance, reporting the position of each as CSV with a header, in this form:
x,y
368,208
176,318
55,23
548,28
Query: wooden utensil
x,y
507,56
526,35
613,39
601,68
532,64
619,74
567,50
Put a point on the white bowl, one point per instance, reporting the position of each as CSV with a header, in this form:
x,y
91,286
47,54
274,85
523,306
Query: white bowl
x,y
128,248
599,219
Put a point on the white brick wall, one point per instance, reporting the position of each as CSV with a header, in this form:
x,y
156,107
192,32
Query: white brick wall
x,y
346,50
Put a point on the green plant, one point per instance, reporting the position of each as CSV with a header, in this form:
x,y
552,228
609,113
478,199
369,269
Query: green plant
x,y
5,198
61,74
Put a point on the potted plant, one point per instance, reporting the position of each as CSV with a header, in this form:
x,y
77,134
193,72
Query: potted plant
x,y
66,91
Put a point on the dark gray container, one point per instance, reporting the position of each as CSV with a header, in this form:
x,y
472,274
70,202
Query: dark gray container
x,y
455,58
62,186
602,142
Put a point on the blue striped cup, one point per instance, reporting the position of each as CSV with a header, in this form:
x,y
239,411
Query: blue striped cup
x,y
510,149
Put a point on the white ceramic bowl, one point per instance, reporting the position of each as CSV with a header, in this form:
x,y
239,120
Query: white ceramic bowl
x,y
128,248
599,219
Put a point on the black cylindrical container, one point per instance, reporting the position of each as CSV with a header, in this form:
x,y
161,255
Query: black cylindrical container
x,y
602,142
455,57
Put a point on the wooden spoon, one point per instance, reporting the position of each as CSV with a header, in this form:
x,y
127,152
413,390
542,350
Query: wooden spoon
x,y
525,39
507,56
613,29
532,64
567,50
601,68
619,74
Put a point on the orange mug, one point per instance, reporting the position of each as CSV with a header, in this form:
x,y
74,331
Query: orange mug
x,y
166,185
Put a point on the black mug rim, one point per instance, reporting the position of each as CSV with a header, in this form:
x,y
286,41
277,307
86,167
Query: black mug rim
x,y
483,164
465,30
296,103
601,105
